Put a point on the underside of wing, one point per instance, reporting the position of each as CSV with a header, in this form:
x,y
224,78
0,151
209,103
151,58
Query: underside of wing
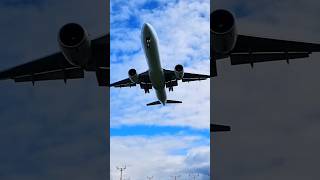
x,y
123,83
258,44
172,80
246,58
52,67
249,50
187,77
71,73
56,66
170,76
143,81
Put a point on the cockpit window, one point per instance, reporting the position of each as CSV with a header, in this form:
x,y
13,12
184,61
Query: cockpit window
x,y
148,41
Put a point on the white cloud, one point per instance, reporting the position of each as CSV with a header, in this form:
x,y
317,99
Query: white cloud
x,y
183,31
159,156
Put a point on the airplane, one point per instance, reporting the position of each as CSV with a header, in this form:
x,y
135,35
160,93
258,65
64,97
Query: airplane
x,y
78,54
156,77
243,49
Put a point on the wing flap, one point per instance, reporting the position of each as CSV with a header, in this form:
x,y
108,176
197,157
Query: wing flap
x,y
192,79
187,77
246,58
143,78
49,63
172,83
195,76
73,73
123,84
146,86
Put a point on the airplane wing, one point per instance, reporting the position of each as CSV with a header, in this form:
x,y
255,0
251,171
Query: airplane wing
x,y
171,79
144,82
250,50
52,67
123,83
187,77
55,66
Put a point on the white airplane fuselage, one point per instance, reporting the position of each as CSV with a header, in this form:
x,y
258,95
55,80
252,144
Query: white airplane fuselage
x,y
149,41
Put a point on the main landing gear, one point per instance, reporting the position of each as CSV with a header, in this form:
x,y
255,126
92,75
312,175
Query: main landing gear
x,y
146,91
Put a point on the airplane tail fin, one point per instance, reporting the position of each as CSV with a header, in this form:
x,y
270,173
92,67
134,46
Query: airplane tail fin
x,y
168,102
173,102
219,128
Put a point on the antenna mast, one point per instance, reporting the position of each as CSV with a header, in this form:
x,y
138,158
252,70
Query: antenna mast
x,y
194,176
121,169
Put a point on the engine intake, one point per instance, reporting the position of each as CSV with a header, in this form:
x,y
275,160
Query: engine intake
x,y
178,71
224,34
74,44
133,76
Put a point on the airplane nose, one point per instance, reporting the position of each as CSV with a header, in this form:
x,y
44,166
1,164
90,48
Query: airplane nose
x,y
146,27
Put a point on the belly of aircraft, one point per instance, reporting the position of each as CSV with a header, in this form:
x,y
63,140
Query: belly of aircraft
x,y
156,75
155,70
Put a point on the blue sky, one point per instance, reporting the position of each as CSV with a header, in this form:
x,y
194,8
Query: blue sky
x,y
173,139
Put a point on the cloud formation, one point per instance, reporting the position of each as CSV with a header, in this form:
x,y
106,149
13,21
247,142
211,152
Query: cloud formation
x,y
160,156
183,31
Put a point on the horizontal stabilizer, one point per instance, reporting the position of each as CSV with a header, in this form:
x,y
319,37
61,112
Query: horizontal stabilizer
x,y
154,103
219,128
168,102
173,102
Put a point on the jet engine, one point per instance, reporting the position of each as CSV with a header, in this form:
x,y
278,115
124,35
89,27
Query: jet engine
x,y
133,76
75,44
223,29
178,71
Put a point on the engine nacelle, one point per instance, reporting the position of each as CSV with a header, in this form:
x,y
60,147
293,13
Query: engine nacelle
x,y
178,71
223,29
133,76
75,44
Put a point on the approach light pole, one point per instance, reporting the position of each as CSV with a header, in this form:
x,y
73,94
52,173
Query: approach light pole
x,y
175,177
121,169
194,176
